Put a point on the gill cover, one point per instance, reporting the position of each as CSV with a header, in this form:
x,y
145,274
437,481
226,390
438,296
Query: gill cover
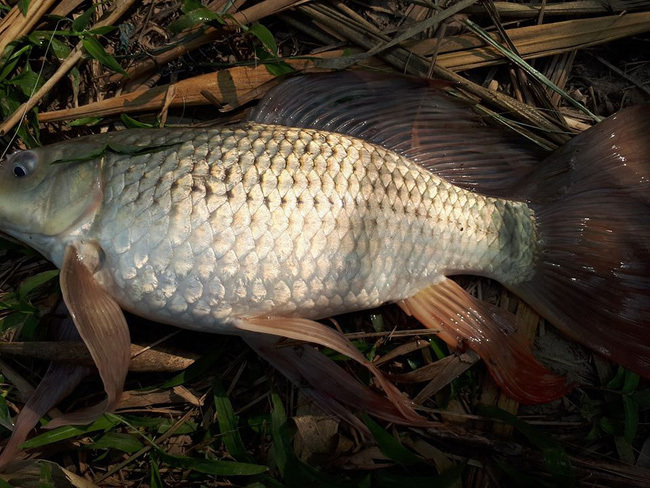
x,y
39,197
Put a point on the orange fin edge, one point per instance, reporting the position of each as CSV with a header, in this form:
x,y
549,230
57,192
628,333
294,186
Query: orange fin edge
x,y
465,321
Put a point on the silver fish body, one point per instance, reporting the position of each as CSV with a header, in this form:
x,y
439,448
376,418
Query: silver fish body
x,y
267,220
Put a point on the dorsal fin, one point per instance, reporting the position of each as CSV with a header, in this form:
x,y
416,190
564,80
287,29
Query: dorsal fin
x,y
411,116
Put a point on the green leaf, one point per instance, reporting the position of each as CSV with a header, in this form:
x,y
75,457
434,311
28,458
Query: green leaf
x,y
194,17
189,5
35,281
608,425
279,68
631,381
159,424
45,480
437,349
59,48
132,123
81,22
281,443
389,445
23,320
23,5
96,50
102,31
265,36
5,416
156,481
555,457
68,432
28,81
617,381
631,418
85,121
211,466
119,441
228,425
13,60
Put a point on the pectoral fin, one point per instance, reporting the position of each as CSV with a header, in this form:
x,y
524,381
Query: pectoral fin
x,y
490,331
102,326
311,331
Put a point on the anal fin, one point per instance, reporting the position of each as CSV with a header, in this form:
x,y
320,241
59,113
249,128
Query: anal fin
x,y
466,321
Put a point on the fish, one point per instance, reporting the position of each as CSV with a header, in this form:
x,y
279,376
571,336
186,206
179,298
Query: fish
x,y
341,192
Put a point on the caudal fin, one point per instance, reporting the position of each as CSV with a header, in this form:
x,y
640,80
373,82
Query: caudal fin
x,y
592,206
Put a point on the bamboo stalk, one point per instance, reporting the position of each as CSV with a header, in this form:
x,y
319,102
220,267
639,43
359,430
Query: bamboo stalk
x,y
18,24
226,87
143,359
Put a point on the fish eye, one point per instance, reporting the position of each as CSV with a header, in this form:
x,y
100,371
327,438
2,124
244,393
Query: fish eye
x,y
24,163
19,170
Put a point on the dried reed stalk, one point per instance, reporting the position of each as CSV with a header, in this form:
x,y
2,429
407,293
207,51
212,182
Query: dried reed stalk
x,y
15,24
467,51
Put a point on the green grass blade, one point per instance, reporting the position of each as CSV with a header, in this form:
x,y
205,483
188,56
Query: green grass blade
x,y
228,425
68,432
35,281
211,466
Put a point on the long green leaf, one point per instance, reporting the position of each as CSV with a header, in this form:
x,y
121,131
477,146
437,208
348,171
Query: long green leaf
x,y
156,481
119,441
68,432
23,5
631,418
81,22
228,425
211,466
265,37
97,51
194,17
35,281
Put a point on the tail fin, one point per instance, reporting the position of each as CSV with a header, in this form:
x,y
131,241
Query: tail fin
x,y
592,205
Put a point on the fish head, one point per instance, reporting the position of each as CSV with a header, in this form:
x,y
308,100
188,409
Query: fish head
x,y
46,191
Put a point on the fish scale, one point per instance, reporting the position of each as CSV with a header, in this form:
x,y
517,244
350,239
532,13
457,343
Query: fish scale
x,y
262,220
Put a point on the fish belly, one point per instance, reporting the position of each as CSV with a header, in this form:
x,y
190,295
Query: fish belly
x,y
276,221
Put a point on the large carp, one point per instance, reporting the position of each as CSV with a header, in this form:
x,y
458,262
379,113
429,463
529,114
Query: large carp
x,y
342,193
